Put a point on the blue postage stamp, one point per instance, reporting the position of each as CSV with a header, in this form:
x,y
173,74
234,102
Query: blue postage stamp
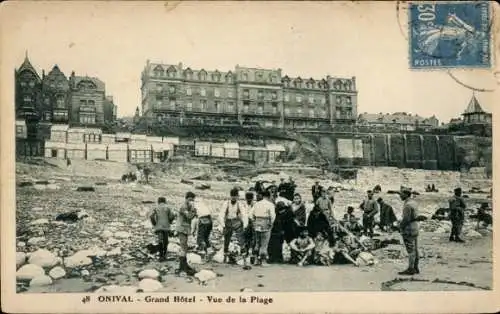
x,y
450,35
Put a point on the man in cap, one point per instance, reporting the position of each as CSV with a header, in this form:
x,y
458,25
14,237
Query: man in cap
x,y
370,208
457,215
409,231
316,191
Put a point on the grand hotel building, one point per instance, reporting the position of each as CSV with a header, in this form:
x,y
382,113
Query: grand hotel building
x,y
180,95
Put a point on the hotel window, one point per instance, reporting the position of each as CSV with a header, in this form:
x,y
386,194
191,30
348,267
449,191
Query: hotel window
x,y
260,94
299,111
274,95
23,84
172,104
27,98
311,99
298,98
337,114
171,88
203,76
217,106
230,107
229,78
323,100
338,99
91,103
286,97
84,102
246,106
246,93
32,84
46,101
216,92
260,108
274,79
189,106
189,92
275,108
203,105
245,77
311,113
259,76
203,92
287,111
19,130
230,94
348,100
47,116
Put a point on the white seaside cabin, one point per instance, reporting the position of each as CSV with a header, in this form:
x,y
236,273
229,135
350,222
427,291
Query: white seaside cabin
x,y
55,150
108,138
217,150
138,139
140,152
59,133
96,151
118,152
123,137
172,140
202,148
275,152
154,139
21,129
75,150
162,151
232,150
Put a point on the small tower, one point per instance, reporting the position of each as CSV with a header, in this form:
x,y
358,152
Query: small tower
x,y
137,115
474,114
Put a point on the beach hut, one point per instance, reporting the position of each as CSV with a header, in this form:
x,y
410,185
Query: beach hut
x,y
161,151
257,154
202,148
96,151
185,147
140,153
108,139
118,152
217,150
154,139
75,135
59,133
92,135
138,139
172,140
232,150
123,137
55,149
75,150
275,152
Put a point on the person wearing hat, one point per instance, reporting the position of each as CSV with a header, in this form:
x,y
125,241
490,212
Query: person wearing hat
x,y
408,228
187,213
457,215
370,208
316,191
233,218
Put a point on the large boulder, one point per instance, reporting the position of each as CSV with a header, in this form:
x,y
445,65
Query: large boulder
x,y
36,240
29,271
193,258
173,248
57,273
77,260
365,258
41,221
43,258
149,273
205,275
473,234
40,281
150,285
20,259
394,251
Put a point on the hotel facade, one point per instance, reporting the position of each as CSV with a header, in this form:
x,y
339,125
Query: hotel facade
x,y
174,94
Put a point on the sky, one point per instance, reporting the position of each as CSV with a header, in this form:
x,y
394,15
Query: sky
x,y
112,41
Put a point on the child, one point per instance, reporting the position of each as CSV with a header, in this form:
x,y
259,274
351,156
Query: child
x,y
204,227
161,218
323,254
350,221
302,248
347,249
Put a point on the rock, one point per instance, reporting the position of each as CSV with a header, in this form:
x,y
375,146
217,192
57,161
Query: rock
x,y
57,273
85,273
246,290
40,281
37,209
52,187
193,258
150,285
473,234
35,240
440,230
219,257
394,251
117,289
43,258
112,241
77,260
366,258
106,234
149,273
114,252
205,275
20,259
122,235
85,189
21,244
95,251
173,248
29,271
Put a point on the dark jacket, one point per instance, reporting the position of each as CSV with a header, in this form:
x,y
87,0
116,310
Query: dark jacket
x,y
409,226
184,219
164,216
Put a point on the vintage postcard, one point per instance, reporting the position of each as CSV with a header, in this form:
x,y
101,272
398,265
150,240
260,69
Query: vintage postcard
x,y
249,157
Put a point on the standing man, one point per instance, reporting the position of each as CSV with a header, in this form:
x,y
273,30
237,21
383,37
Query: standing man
x,y
233,218
186,214
370,208
263,215
316,191
409,231
457,215
161,218
325,205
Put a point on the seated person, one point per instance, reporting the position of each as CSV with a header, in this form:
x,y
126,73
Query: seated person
x,y
302,248
482,216
441,214
350,221
428,188
323,253
346,249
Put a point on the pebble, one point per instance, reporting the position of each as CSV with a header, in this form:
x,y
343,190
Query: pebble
x,y
193,258
41,221
150,285
43,258
85,273
112,241
57,273
205,275
106,234
21,244
77,260
35,240
114,252
20,259
149,273
37,209
40,281
122,235
29,271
